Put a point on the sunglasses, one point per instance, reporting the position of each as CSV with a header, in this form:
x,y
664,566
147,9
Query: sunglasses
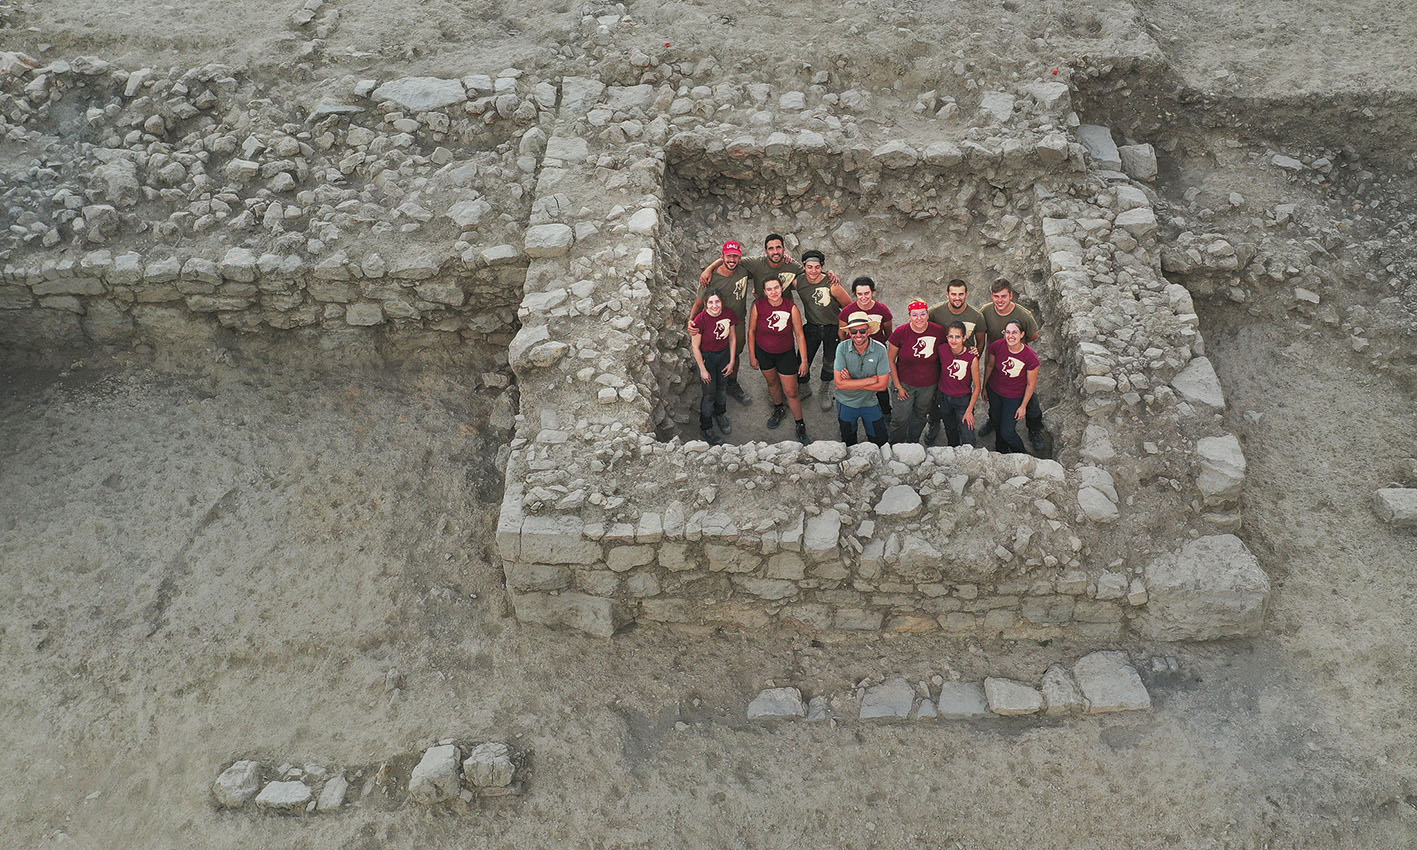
x,y
859,333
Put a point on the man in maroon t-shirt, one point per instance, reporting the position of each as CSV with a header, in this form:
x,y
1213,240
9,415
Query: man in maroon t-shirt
x,y
864,289
959,386
914,352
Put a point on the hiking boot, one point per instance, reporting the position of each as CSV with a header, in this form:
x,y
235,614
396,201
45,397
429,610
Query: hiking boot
x,y
738,394
779,412
1036,441
711,438
802,434
804,389
828,391
932,432
723,424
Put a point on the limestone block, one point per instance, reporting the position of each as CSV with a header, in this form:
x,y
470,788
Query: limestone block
x,y
896,154
1138,161
1060,692
827,451
1098,142
364,314
557,540
489,765
333,794
788,566
891,700
1096,506
1210,588
292,796
943,154
570,149
857,619
1109,683
1008,697
435,777
525,576
629,97
776,703
548,240
1050,95
1396,506
579,94
70,286
1222,470
468,214
997,105
823,531
1198,384
962,701
590,614
731,559
899,501
421,94
622,558
237,784
1139,222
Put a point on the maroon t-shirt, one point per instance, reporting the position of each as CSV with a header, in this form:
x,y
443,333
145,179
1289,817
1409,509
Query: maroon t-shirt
x,y
918,361
877,309
954,371
773,333
713,330
1009,377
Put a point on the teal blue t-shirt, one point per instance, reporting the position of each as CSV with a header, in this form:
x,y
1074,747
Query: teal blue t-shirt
x,y
872,364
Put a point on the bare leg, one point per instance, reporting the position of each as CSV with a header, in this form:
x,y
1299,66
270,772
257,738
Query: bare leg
x,y
774,385
789,386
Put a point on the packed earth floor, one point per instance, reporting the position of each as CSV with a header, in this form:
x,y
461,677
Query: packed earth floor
x,y
250,543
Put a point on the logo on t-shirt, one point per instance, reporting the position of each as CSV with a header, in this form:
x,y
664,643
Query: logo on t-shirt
x,y
740,288
823,296
720,328
786,278
1013,367
924,347
958,369
777,319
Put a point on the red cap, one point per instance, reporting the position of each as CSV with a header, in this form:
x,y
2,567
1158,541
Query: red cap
x,y
916,305
732,247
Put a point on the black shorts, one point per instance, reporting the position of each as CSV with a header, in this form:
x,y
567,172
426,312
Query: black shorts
x,y
786,363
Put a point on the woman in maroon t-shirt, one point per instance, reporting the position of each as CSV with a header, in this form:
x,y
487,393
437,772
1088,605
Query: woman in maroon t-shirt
x,y
1012,368
714,348
775,340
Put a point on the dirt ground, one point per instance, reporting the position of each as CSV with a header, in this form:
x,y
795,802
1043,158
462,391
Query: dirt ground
x,y
229,559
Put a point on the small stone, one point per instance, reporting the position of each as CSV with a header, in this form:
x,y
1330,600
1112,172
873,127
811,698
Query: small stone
x,y
774,703
1098,142
962,701
332,795
1222,469
1008,697
1288,163
817,709
1096,506
892,699
237,784
1198,384
548,240
896,154
644,222
1138,161
1109,683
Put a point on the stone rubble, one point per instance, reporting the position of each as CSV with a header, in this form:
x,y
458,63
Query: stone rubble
x,y
1396,506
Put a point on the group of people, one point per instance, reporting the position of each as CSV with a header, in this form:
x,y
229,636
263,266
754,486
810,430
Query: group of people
x,y
890,383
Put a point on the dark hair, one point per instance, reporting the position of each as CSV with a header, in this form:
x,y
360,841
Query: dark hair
x,y
1000,284
814,254
772,236
963,331
1016,323
956,282
863,281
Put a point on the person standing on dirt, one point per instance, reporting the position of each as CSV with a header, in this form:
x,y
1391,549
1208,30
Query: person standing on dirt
x,y
956,309
715,352
914,354
729,280
774,264
959,386
775,343
864,288
822,299
1012,368
1001,310
863,372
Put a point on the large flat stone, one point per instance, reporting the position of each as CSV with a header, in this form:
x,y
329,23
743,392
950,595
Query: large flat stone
x,y
435,777
775,703
1008,697
557,540
421,94
237,784
1396,506
1109,683
1099,144
1198,384
899,501
489,765
962,701
290,796
549,240
1222,470
1060,692
823,531
891,700
1210,588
